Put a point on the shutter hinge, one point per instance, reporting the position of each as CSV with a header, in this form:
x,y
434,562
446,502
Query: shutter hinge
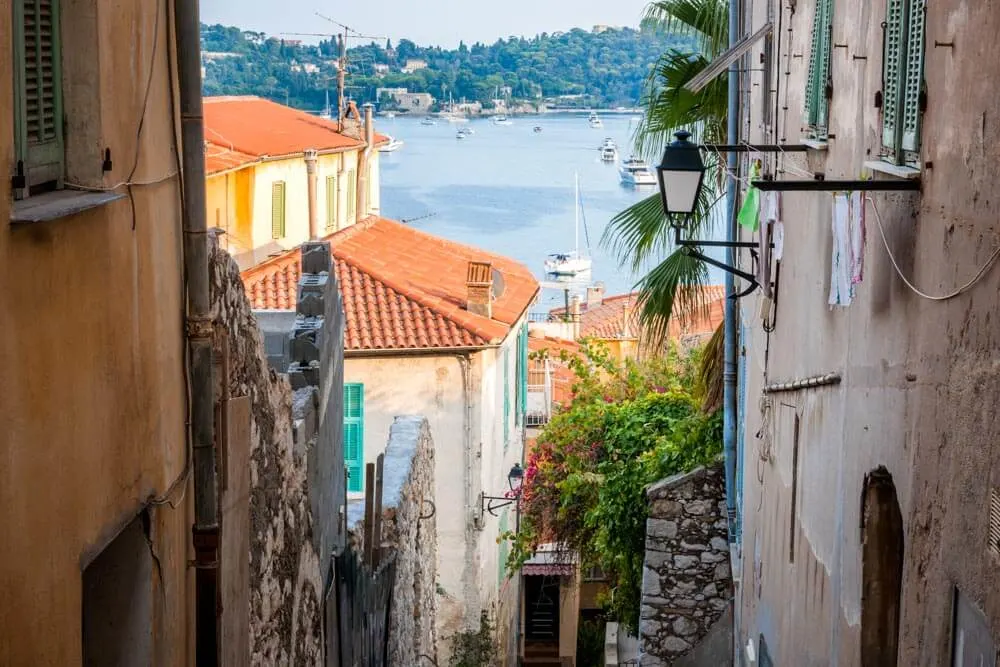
x,y
878,99
18,180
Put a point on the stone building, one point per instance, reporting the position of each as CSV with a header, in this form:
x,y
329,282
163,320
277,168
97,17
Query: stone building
x,y
870,501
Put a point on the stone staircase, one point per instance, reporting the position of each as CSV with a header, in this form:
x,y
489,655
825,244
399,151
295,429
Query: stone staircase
x,y
541,654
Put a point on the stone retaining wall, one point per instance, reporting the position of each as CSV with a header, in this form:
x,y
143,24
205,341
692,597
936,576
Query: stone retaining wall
x,y
686,584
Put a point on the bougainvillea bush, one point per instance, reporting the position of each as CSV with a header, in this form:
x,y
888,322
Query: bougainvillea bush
x,y
627,426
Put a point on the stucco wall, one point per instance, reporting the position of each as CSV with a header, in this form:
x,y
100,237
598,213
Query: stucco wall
x,y
686,583
92,392
919,378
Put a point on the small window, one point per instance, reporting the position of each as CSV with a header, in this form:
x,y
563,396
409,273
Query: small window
x,y
595,574
818,85
352,196
38,115
354,436
903,81
331,203
278,210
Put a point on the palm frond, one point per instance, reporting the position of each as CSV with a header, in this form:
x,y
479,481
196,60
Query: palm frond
x,y
705,20
710,371
674,284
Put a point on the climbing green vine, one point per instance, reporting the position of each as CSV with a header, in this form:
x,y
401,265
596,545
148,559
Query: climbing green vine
x,y
628,426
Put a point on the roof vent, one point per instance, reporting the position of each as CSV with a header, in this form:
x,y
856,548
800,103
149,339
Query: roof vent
x,y
479,285
499,286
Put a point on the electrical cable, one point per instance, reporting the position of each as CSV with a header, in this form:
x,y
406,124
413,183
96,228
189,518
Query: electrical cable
x,y
945,297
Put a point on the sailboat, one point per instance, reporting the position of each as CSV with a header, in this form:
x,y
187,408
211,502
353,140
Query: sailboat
x,y
571,263
327,113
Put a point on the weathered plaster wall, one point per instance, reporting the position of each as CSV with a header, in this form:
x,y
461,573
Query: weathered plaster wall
x,y
286,611
92,400
409,532
919,376
686,583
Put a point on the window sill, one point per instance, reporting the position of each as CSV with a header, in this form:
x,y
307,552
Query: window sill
x,y
814,144
58,205
899,171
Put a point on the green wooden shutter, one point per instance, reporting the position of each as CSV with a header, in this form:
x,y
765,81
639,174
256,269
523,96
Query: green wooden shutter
x,y
352,195
38,116
354,436
278,209
506,396
331,203
913,77
522,407
817,104
892,66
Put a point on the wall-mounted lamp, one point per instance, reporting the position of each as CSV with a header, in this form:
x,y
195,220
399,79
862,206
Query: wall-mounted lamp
x,y
515,478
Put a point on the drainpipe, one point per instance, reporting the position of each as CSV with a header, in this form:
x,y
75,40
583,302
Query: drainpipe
x,y
310,158
365,160
472,500
205,532
730,342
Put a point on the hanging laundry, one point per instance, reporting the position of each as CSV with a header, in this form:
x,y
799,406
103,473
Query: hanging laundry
x,y
750,211
840,260
857,232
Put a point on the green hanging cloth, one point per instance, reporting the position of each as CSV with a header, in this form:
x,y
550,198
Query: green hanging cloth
x,y
750,211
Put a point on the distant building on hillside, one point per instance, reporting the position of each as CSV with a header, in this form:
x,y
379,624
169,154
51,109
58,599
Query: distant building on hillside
x,y
598,29
381,68
404,99
414,64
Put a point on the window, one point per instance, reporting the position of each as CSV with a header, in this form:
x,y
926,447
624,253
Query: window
x,y
278,209
354,436
352,196
903,81
331,203
595,574
506,396
818,87
38,114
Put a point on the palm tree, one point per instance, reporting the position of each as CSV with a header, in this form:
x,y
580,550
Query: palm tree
x,y
641,233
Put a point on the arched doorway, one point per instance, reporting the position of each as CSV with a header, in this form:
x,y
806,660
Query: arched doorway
x,y
881,570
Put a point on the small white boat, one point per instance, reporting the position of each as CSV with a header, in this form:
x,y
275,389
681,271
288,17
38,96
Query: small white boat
x,y
595,120
462,134
391,147
538,128
454,118
428,121
570,263
636,172
502,120
390,114
609,150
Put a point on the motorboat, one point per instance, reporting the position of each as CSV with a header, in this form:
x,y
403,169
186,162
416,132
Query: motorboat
x,y
502,120
574,262
391,147
609,150
636,172
595,120
538,128
462,133
428,121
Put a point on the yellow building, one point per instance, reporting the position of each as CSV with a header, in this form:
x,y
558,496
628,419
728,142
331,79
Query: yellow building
x,y
263,163
93,443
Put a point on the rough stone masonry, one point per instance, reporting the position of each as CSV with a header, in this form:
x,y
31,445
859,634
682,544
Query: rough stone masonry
x,y
686,583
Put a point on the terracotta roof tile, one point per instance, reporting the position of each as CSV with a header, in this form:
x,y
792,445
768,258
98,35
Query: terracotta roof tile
x,y
617,317
222,158
402,288
258,127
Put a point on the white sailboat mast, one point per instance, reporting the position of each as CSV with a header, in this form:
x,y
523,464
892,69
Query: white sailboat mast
x,y
576,212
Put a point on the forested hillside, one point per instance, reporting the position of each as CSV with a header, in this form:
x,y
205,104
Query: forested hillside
x,y
606,68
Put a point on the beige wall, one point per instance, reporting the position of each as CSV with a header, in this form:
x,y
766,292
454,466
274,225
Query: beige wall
x,y
92,392
919,377
240,202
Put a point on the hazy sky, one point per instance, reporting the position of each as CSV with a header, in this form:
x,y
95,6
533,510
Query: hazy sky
x,y
434,22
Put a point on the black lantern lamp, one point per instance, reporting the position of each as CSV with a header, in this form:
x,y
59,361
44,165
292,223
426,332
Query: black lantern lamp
x,y
515,478
681,174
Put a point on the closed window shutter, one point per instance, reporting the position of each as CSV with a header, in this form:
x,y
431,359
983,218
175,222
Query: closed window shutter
x,y
892,67
278,209
331,203
354,436
38,90
913,77
352,195
506,396
523,379
817,104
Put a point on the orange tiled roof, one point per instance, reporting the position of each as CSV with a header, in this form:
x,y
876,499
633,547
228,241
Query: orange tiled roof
x,y
617,317
222,158
259,127
402,288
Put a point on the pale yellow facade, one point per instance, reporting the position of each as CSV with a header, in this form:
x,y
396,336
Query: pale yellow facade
x,y
240,202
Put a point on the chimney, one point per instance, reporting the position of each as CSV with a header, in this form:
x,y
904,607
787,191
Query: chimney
x,y
310,158
364,163
574,315
479,282
369,125
595,295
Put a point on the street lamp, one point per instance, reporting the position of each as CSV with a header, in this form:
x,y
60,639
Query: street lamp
x,y
681,173
515,478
